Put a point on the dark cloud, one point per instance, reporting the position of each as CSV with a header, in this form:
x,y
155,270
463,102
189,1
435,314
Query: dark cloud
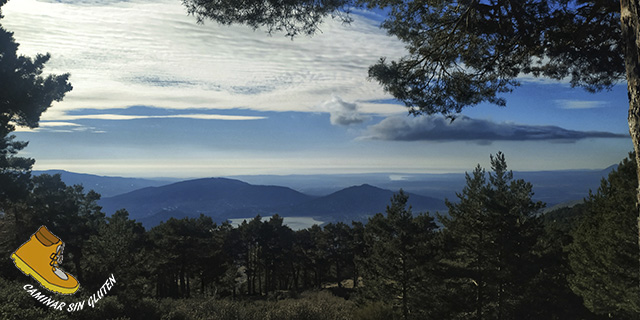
x,y
468,129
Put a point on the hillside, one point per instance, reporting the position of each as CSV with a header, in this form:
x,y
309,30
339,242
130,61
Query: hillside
x,y
551,187
358,203
215,197
153,201
224,199
106,186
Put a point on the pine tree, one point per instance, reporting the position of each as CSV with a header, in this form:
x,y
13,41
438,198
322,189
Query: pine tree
x,y
183,249
604,254
339,249
490,236
24,95
70,212
120,248
400,249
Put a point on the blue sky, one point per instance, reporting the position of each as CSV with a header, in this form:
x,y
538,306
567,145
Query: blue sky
x,y
157,95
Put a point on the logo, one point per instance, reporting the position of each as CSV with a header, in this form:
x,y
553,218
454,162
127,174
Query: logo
x,y
40,258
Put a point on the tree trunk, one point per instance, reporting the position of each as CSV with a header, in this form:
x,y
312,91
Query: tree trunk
x,y
259,274
77,260
338,275
188,286
480,283
202,284
405,289
355,276
630,23
182,287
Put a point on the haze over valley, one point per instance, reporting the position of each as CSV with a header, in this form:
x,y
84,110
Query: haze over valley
x,y
305,200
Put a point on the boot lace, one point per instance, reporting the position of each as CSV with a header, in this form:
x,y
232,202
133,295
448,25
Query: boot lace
x,y
56,258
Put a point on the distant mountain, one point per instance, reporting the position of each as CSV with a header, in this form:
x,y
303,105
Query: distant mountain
x,y
219,198
106,186
434,185
224,199
568,204
551,187
335,199
557,187
359,203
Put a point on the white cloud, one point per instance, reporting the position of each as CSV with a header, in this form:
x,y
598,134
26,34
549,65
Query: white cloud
x,y
152,53
580,104
342,113
63,126
136,117
49,126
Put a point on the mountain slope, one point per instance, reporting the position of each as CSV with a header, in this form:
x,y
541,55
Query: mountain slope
x,y
216,197
359,202
106,186
551,187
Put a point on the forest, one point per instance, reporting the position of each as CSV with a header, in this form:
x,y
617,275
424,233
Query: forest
x,y
493,255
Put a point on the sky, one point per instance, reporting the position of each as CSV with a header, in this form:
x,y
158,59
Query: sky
x,y
158,95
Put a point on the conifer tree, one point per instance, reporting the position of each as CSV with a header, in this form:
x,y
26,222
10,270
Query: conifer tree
x,y
339,249
491,235
400,249
604,254
70,212
25,93
182,250
120,247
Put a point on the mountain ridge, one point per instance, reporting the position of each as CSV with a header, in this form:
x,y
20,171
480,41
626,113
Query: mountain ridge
x,y
224,199
106,186
216,197
361,202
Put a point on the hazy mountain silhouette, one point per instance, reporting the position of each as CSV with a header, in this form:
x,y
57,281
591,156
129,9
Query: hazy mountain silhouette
x,y
152,201
358,203
224,199
556,187
106,186
551,187
215,197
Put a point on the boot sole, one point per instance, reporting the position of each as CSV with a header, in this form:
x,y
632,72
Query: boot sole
x,y
26,269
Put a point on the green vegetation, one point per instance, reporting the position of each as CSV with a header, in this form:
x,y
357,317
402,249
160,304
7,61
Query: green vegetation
x,y
494,256
604,254
491,234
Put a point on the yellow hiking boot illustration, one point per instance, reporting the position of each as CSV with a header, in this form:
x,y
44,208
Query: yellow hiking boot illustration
x,y
40,258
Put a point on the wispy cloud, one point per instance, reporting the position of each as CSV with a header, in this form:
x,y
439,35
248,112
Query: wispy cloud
x,y
467,129
66,124
177,116
58,124
342,113
124,53
580,104
55,126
